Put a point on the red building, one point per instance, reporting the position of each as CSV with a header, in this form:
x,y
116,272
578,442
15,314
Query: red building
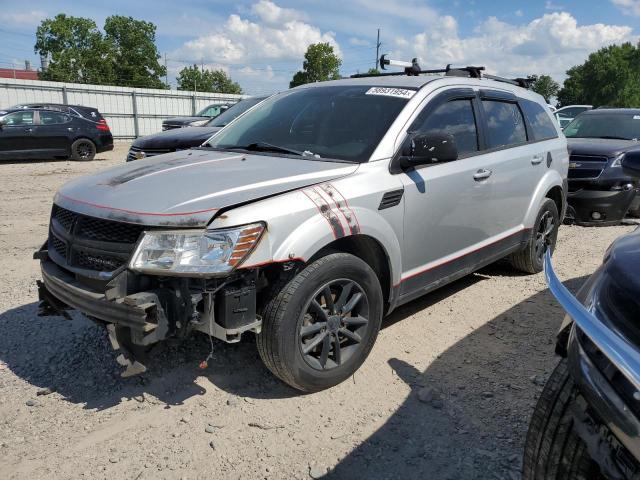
x,y
18,73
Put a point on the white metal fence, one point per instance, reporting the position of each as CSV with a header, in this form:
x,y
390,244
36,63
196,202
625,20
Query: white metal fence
x,y
130,112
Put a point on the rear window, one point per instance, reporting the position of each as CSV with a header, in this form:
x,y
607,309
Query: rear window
x,y
542,126
505,124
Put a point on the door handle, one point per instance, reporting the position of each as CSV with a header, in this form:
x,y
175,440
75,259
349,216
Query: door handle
x,y
28,130
70,129
537,159
482,174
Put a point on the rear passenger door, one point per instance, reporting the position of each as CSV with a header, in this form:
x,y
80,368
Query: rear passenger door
x,y
54,133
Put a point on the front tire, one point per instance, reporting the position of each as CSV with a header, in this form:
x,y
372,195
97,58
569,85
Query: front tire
x,y
543,237
321,326
83,150
553,450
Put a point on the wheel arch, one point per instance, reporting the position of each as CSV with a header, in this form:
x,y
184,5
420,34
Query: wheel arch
x,y
550,186
369,250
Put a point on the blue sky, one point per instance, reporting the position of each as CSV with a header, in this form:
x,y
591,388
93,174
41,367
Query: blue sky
x,y
260,43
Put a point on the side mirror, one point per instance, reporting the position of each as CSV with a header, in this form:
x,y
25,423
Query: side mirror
x,y
429,148
631,164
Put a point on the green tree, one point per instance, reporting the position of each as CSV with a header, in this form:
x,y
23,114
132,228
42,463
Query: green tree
x,y
204,80
320,64
609,77
546,86
78,50
133,52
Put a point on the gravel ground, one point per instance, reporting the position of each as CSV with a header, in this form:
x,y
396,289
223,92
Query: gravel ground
x,y
446,393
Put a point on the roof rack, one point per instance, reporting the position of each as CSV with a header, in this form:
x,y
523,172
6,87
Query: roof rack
x,y
413,69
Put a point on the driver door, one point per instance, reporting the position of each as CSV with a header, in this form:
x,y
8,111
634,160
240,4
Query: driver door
x,y
446,204
16,134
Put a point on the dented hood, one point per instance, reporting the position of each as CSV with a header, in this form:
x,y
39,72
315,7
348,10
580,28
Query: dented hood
x,y
187,188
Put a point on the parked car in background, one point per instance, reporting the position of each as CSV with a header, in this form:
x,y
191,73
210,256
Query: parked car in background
x,y
565,115
183,138
600,192
53,131
199,119
310,217
586,424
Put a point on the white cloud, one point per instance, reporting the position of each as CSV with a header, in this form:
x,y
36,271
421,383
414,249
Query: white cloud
x,y
242,41
550,44
630,7
258,72
23,18
519,13
272,14
359,42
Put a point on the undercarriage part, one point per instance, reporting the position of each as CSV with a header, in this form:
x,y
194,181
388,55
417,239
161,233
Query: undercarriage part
x,y
208,323
133,357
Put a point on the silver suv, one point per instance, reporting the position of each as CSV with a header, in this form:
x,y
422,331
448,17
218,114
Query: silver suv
x,y
310,217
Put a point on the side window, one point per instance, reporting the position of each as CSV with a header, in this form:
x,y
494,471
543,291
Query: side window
x,y
52,118
455,117
540,121
18,119
505,124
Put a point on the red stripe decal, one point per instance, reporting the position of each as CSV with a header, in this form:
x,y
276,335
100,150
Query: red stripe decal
x,y
460,256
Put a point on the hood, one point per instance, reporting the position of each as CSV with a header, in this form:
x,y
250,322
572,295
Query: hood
x,y
182,120
176,138
600,146
187,188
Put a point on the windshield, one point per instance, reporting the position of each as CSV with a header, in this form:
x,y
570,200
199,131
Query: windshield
x,y
624,126
339,122
211,111
234,112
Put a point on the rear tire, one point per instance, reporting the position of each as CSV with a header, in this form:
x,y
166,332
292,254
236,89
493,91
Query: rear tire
x,y
83,150
553,451
314,340
543,236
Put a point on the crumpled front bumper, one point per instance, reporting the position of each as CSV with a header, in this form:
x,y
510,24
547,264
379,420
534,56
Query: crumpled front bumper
x,y
141,312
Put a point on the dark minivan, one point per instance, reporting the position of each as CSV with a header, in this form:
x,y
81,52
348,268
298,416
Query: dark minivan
x,y
53,131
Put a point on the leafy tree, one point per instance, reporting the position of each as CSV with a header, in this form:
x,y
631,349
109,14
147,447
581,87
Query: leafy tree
x,y
609,77
320,64
194,78
133,52
78,50
546,86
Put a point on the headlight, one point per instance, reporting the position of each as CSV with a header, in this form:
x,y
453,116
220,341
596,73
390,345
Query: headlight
x,y
198,123
618,161
195,252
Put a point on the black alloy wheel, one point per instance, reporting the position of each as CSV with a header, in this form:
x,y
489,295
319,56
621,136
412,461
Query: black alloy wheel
x,y
333,324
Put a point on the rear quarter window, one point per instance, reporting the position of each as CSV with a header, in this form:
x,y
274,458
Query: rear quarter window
x,y
542,125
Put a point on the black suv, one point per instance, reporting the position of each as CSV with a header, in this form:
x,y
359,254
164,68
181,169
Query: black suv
x,y
600,193
52,130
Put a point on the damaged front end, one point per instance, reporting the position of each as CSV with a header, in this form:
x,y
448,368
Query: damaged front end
x,y
145,291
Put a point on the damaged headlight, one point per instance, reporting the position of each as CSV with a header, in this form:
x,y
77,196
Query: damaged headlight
x,y
195,252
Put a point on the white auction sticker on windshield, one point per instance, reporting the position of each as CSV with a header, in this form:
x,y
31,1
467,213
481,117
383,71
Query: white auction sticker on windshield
x,y
391,92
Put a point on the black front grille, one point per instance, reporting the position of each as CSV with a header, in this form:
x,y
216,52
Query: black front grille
x,y
59,246
149,152
108,231
586,166
91,243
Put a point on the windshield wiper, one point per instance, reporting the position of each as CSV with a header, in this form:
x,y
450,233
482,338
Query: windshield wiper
x,y
270,147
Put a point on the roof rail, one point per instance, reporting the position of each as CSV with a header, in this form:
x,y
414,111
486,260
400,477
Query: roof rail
x,y
413,69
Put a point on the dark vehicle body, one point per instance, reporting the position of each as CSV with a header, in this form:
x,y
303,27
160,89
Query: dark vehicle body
x,y
52,130
600,193
183,138
197,120
586,424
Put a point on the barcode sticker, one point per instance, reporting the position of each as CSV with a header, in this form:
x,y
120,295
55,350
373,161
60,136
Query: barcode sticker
x,y
391,92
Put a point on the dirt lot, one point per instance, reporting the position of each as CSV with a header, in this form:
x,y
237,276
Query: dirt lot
x,y
446,393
